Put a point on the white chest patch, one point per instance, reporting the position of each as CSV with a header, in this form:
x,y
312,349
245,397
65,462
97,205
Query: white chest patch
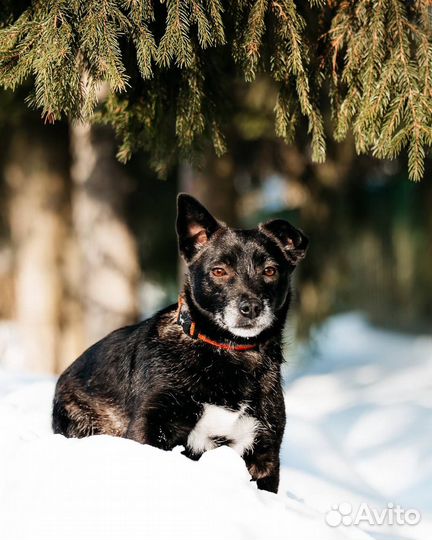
x,y
236,427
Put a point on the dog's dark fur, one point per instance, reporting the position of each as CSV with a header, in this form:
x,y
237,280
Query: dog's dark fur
x,y
152,382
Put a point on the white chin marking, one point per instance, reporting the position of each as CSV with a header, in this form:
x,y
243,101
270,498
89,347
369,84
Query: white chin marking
x,y
230,320
245,332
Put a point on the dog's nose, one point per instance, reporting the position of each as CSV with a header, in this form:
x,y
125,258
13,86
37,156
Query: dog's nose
x,y
250,308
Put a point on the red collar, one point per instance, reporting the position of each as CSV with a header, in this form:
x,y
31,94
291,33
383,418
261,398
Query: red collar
x,y
184,319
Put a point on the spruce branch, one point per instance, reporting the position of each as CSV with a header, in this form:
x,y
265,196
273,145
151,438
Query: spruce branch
x,y
384,77
253,38
164,93
175,43
290,61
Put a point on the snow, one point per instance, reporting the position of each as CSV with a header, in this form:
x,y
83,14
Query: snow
x,y
358,431
359,423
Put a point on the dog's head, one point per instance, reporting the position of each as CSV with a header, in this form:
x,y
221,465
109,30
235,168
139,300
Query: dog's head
x,y
238,278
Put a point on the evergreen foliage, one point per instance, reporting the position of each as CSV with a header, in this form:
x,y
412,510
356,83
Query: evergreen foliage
x,y
168,69
381,63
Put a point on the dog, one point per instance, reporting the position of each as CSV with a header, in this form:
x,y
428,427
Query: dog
x,y
204,372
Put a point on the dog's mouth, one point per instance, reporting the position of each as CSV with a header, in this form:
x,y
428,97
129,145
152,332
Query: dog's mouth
x,y
246,330
249,326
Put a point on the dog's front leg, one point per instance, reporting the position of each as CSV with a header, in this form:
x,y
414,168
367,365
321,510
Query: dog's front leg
x,y
263,465
152,423
137,428
145,430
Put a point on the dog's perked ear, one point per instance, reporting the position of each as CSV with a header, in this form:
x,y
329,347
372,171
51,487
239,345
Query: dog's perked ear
x,y
292,241
195,225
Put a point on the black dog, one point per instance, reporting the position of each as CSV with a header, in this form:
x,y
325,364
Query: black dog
x,y
204,372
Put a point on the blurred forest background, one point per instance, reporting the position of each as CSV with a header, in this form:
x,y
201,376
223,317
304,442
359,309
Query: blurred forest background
x,y
87,244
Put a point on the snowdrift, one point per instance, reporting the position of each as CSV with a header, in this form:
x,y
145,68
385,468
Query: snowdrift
x,y
358,431
106,488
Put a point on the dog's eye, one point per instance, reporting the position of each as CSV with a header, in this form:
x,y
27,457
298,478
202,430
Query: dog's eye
x,y
218,272
269,271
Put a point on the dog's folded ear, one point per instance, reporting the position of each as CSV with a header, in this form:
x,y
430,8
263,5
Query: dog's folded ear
x,y
292,241
195,225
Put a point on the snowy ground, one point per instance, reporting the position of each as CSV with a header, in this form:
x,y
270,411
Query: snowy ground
x,y
359,426
358,433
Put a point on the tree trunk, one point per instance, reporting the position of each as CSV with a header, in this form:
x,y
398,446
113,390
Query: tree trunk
x,y
36,176
106,249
